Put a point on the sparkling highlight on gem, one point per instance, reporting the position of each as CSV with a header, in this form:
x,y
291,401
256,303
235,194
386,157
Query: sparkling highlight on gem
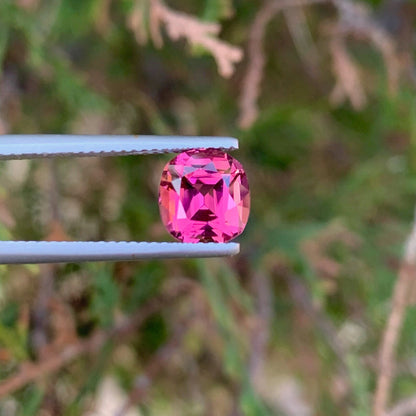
x,y
204,197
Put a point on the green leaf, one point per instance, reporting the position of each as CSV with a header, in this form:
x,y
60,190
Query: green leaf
x,y
145,284
95,376
76,17
33,402
233,354
4,37
14,341
360,383
217,9
105,296
250,403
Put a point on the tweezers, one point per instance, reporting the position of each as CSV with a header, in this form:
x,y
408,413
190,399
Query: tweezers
x,y
48,146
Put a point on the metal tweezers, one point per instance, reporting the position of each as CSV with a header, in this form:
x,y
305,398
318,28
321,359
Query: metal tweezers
x,y
48,146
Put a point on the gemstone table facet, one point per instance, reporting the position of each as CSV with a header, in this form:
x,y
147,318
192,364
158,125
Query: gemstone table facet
x,y
204,197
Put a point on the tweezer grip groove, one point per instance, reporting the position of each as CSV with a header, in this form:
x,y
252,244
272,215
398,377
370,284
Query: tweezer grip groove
x,y
56,145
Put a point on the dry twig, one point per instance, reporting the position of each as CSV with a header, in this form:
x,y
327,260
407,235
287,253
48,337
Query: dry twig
x,y
250,91
394,324
135,22
348,83
3,126
404,408
354,20
251,84
180,25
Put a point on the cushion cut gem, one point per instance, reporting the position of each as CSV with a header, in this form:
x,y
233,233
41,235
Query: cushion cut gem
x,y
204,196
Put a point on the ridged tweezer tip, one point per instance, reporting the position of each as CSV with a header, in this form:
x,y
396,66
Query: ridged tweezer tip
x,y
45,146
32,252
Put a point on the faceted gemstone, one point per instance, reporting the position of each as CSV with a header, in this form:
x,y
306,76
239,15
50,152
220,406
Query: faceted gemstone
x,y
204,196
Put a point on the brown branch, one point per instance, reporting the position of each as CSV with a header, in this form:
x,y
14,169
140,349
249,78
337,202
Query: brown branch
x,y
250,90
3,126
256,60
348,81
394,324
184,26
354,19
180,25
406,407
31,372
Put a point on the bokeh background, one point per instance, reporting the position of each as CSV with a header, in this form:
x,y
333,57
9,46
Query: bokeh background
x,y
316,316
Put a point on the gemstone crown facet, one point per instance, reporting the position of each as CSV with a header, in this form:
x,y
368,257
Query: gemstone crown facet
x,y
204,196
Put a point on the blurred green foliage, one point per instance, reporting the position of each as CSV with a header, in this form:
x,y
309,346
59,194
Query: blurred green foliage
x,y
332,199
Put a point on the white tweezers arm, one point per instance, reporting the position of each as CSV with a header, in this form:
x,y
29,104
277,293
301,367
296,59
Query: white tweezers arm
x,y
32,252
54,145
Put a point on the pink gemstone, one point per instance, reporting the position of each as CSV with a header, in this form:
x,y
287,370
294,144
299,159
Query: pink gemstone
x,y
204,197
